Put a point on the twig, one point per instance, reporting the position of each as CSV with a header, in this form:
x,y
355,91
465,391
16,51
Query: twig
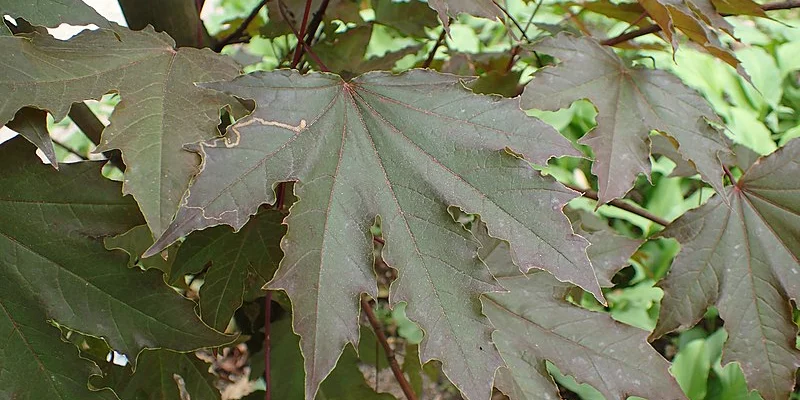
x,y
787,5
267,318
439,41
729,175
513,20
302,43
298,50
515,50
621,205
313,26
238,32
398,373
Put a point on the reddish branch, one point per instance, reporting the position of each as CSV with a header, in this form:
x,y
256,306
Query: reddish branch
x,y
436,46
622,205
787,5
301,44
398,373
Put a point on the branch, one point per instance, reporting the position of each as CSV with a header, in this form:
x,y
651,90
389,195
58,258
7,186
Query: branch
x,y
238,32
787,5
621,205
301,44
436,46
398,373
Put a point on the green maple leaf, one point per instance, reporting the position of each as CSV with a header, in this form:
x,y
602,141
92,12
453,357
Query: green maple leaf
x,y
405,148
54,266
161,374
160,111
535,323
239,262
743,258
630,103
52,13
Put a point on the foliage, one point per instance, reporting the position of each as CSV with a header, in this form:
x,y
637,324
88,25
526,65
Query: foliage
x,y
502,194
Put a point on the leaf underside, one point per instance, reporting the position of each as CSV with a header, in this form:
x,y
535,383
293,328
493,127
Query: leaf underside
x,y
630,103
743,258
405,148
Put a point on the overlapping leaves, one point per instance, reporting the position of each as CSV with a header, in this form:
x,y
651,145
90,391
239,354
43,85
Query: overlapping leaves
x,y
630,103
160,111
404,148
536,324
54,268
743,258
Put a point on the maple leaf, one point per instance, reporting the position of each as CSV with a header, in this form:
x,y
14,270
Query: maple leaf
x,y
135,242
160,111
630,103
58,269
698,20
52,13
161,374
238,262
743,258
535,323
476,8
405,148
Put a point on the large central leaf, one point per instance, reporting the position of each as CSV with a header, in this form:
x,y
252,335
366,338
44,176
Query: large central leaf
x,y
160,111
743,258
404,148
630,103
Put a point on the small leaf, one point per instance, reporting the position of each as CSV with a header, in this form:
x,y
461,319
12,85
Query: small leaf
x,y
743,258
534,323
373,147
238,261
630,103
32,125
409,18
477,8
135,242
59,269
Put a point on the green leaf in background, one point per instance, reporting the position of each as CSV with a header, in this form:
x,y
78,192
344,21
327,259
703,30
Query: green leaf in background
x,y
239,263
534,323
161,374
743,258
630,102
57,269
52,13
372,147
407,17
161,108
